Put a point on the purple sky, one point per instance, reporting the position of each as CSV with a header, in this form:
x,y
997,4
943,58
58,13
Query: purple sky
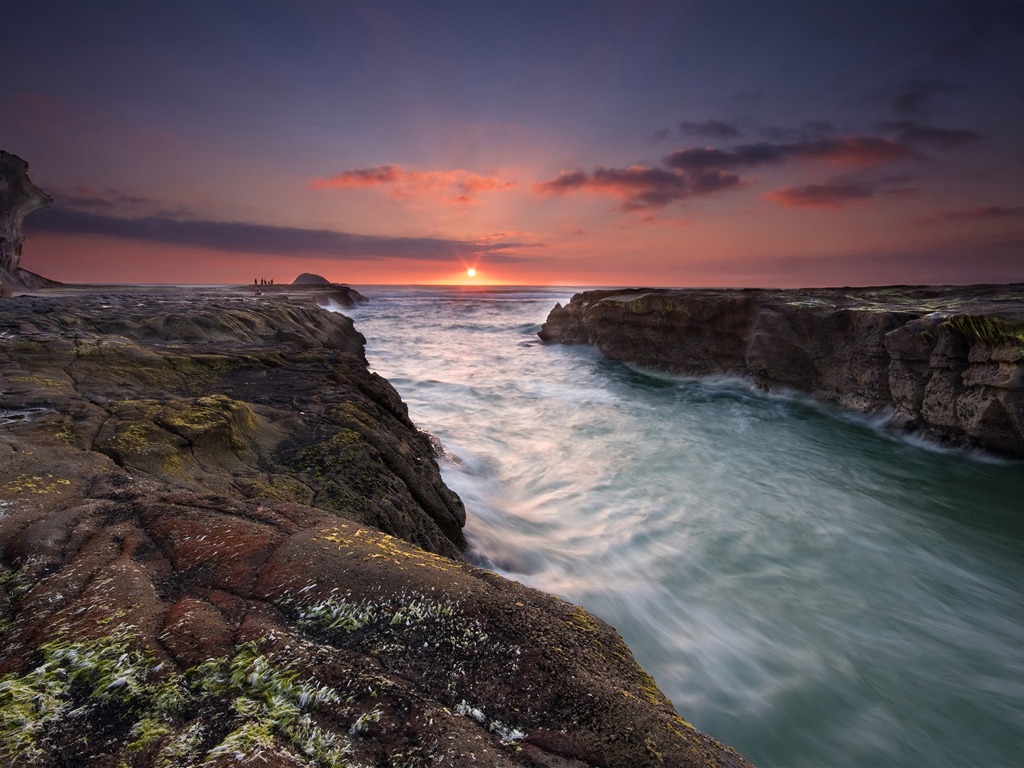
x,y
553,143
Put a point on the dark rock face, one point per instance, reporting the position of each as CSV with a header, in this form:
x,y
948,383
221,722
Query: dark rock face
x,y
18,198
222,542
308,278
331,295
948,361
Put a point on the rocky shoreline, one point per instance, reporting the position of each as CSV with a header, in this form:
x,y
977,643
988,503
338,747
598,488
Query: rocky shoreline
x,y
222,539
946,362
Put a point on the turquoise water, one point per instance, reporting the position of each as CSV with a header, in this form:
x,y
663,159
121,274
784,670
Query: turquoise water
x,y
803,585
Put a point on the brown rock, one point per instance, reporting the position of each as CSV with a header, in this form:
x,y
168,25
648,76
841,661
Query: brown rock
x,y
945,360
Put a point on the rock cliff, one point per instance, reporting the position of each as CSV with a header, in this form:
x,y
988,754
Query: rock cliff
x,y
946,361
18,198
223,542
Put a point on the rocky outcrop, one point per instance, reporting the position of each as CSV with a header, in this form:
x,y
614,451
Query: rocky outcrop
x,y
222,542
946,361
331,295
18,198
308,278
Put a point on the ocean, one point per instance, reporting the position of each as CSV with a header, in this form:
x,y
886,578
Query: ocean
x,y
802,584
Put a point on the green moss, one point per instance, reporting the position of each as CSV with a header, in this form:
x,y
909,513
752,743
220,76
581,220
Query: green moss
x,y
989,330
259,705
649,303
174,464
439,618
67,435
272,707
652,749
135,439
345,464
94,675
649,689
580,619
280,487
349,413
677,723
356,540
38,381
34,484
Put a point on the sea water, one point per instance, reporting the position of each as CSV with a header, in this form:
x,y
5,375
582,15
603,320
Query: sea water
x,y
803,585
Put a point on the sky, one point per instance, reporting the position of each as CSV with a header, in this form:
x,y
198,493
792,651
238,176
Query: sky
x,y
556,143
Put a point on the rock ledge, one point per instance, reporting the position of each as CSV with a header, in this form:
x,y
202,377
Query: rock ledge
x,y
947,361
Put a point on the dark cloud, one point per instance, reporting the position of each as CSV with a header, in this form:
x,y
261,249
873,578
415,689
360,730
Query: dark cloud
x,y
917,133
914,97
239,237
705,170
701,158
93,198
901,192
853,151
979,212
640,187
808,131
566,181
83,201
707,182
358,177
825,195
717,129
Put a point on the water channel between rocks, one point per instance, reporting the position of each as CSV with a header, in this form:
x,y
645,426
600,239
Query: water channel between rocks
x,y
803,585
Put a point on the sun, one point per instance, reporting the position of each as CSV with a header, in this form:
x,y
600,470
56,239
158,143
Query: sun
x,y
471,272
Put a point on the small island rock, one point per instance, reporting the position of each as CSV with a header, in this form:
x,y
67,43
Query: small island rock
x,y
308,278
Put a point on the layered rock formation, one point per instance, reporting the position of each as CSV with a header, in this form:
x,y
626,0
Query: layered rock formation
x,y
332,295
946,361
222,542
18,198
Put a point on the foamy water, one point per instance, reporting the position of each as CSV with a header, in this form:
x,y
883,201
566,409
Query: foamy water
x,y
804,586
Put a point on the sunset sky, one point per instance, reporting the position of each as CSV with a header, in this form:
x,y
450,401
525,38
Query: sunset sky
x,y
685,144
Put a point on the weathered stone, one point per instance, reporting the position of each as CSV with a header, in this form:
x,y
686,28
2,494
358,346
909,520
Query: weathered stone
x,y
947,361
18,198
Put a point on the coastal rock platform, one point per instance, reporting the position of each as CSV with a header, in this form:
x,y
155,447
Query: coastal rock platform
x,y
946,361
223,542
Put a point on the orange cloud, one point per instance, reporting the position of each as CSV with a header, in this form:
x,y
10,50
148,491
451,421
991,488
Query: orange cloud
x,y
459,186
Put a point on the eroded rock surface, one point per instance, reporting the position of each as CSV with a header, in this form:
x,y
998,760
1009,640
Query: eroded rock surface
x,y
18,198
947,361
223,542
